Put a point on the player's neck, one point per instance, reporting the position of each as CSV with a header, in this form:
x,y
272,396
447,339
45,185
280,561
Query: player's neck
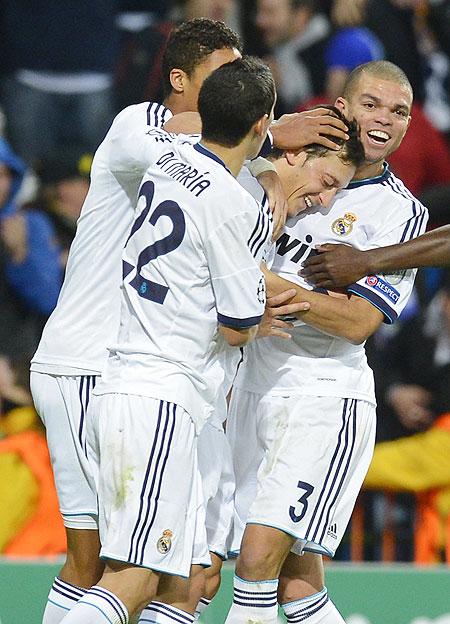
x,y
370,170
176,103
233,157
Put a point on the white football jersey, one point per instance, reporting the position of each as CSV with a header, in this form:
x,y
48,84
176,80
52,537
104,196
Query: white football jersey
x,y
263,250
367,214
188,264
86,318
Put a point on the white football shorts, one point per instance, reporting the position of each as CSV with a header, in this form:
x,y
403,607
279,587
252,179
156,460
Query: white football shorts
x,y
216,469
144,456
299,463
62,402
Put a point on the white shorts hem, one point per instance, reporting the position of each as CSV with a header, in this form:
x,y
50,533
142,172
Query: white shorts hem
x,y
162,570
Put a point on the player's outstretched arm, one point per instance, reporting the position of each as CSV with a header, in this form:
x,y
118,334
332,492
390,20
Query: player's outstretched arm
x,y
352,318
295,130
340,265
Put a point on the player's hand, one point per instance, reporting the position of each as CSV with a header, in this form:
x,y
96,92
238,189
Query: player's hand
x,y
411,404
276,306
295,130
335,266
271,184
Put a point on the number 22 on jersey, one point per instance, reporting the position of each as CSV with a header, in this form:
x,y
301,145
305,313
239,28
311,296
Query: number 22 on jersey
x,y
146,288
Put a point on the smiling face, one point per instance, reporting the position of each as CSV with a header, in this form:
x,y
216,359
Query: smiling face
x,y
382,109
312,181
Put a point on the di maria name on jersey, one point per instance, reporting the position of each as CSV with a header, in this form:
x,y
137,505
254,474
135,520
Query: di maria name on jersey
x,y
188,264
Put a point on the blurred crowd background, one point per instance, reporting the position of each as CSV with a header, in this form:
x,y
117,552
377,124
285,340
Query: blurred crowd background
x,y
66,69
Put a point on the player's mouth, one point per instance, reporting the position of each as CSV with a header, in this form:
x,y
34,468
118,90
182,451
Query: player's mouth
x,y
308,202
378,137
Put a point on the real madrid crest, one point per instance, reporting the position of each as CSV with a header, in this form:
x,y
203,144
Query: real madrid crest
x,y
344,225
164,544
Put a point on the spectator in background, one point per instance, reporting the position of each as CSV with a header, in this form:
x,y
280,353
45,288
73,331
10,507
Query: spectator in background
x,y
31,523
144,27
423,163
350,45
415,409
295,34
64,180
58,58
221,10
30,271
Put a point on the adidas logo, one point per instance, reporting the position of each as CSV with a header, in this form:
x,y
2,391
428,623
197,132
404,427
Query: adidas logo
x,y
332,531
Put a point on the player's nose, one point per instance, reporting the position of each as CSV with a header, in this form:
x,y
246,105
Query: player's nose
x,y
326,197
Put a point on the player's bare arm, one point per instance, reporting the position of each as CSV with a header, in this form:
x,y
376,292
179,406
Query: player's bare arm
x,y
340,265
352,317
296,130
238,337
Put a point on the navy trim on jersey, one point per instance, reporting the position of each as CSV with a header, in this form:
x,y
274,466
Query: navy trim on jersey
x,y
262,227
229,321
156,114
390,315
376,180
415,225
203,150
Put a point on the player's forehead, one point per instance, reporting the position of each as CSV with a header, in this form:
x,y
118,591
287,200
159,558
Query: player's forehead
x,y
216,59
382,89
333,167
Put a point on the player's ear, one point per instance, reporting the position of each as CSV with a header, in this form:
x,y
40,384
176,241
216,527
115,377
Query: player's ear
x,y
177,80
295,158
260,127
342,104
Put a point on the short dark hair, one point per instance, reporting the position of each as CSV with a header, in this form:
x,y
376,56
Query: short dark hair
x,y
379,69
351,150
190,43
233,98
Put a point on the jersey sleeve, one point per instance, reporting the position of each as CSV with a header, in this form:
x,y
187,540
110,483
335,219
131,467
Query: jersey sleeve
x,y
237,281
133,144
390,292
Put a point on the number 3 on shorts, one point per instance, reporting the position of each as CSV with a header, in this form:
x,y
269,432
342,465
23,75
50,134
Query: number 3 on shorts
x,y
308,490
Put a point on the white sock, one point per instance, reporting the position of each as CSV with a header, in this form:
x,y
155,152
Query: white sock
x,y
203,604
61,598
254,602
314,609
97,606
160,613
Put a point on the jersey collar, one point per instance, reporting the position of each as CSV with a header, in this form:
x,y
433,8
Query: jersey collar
x,y
376,180
206,152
